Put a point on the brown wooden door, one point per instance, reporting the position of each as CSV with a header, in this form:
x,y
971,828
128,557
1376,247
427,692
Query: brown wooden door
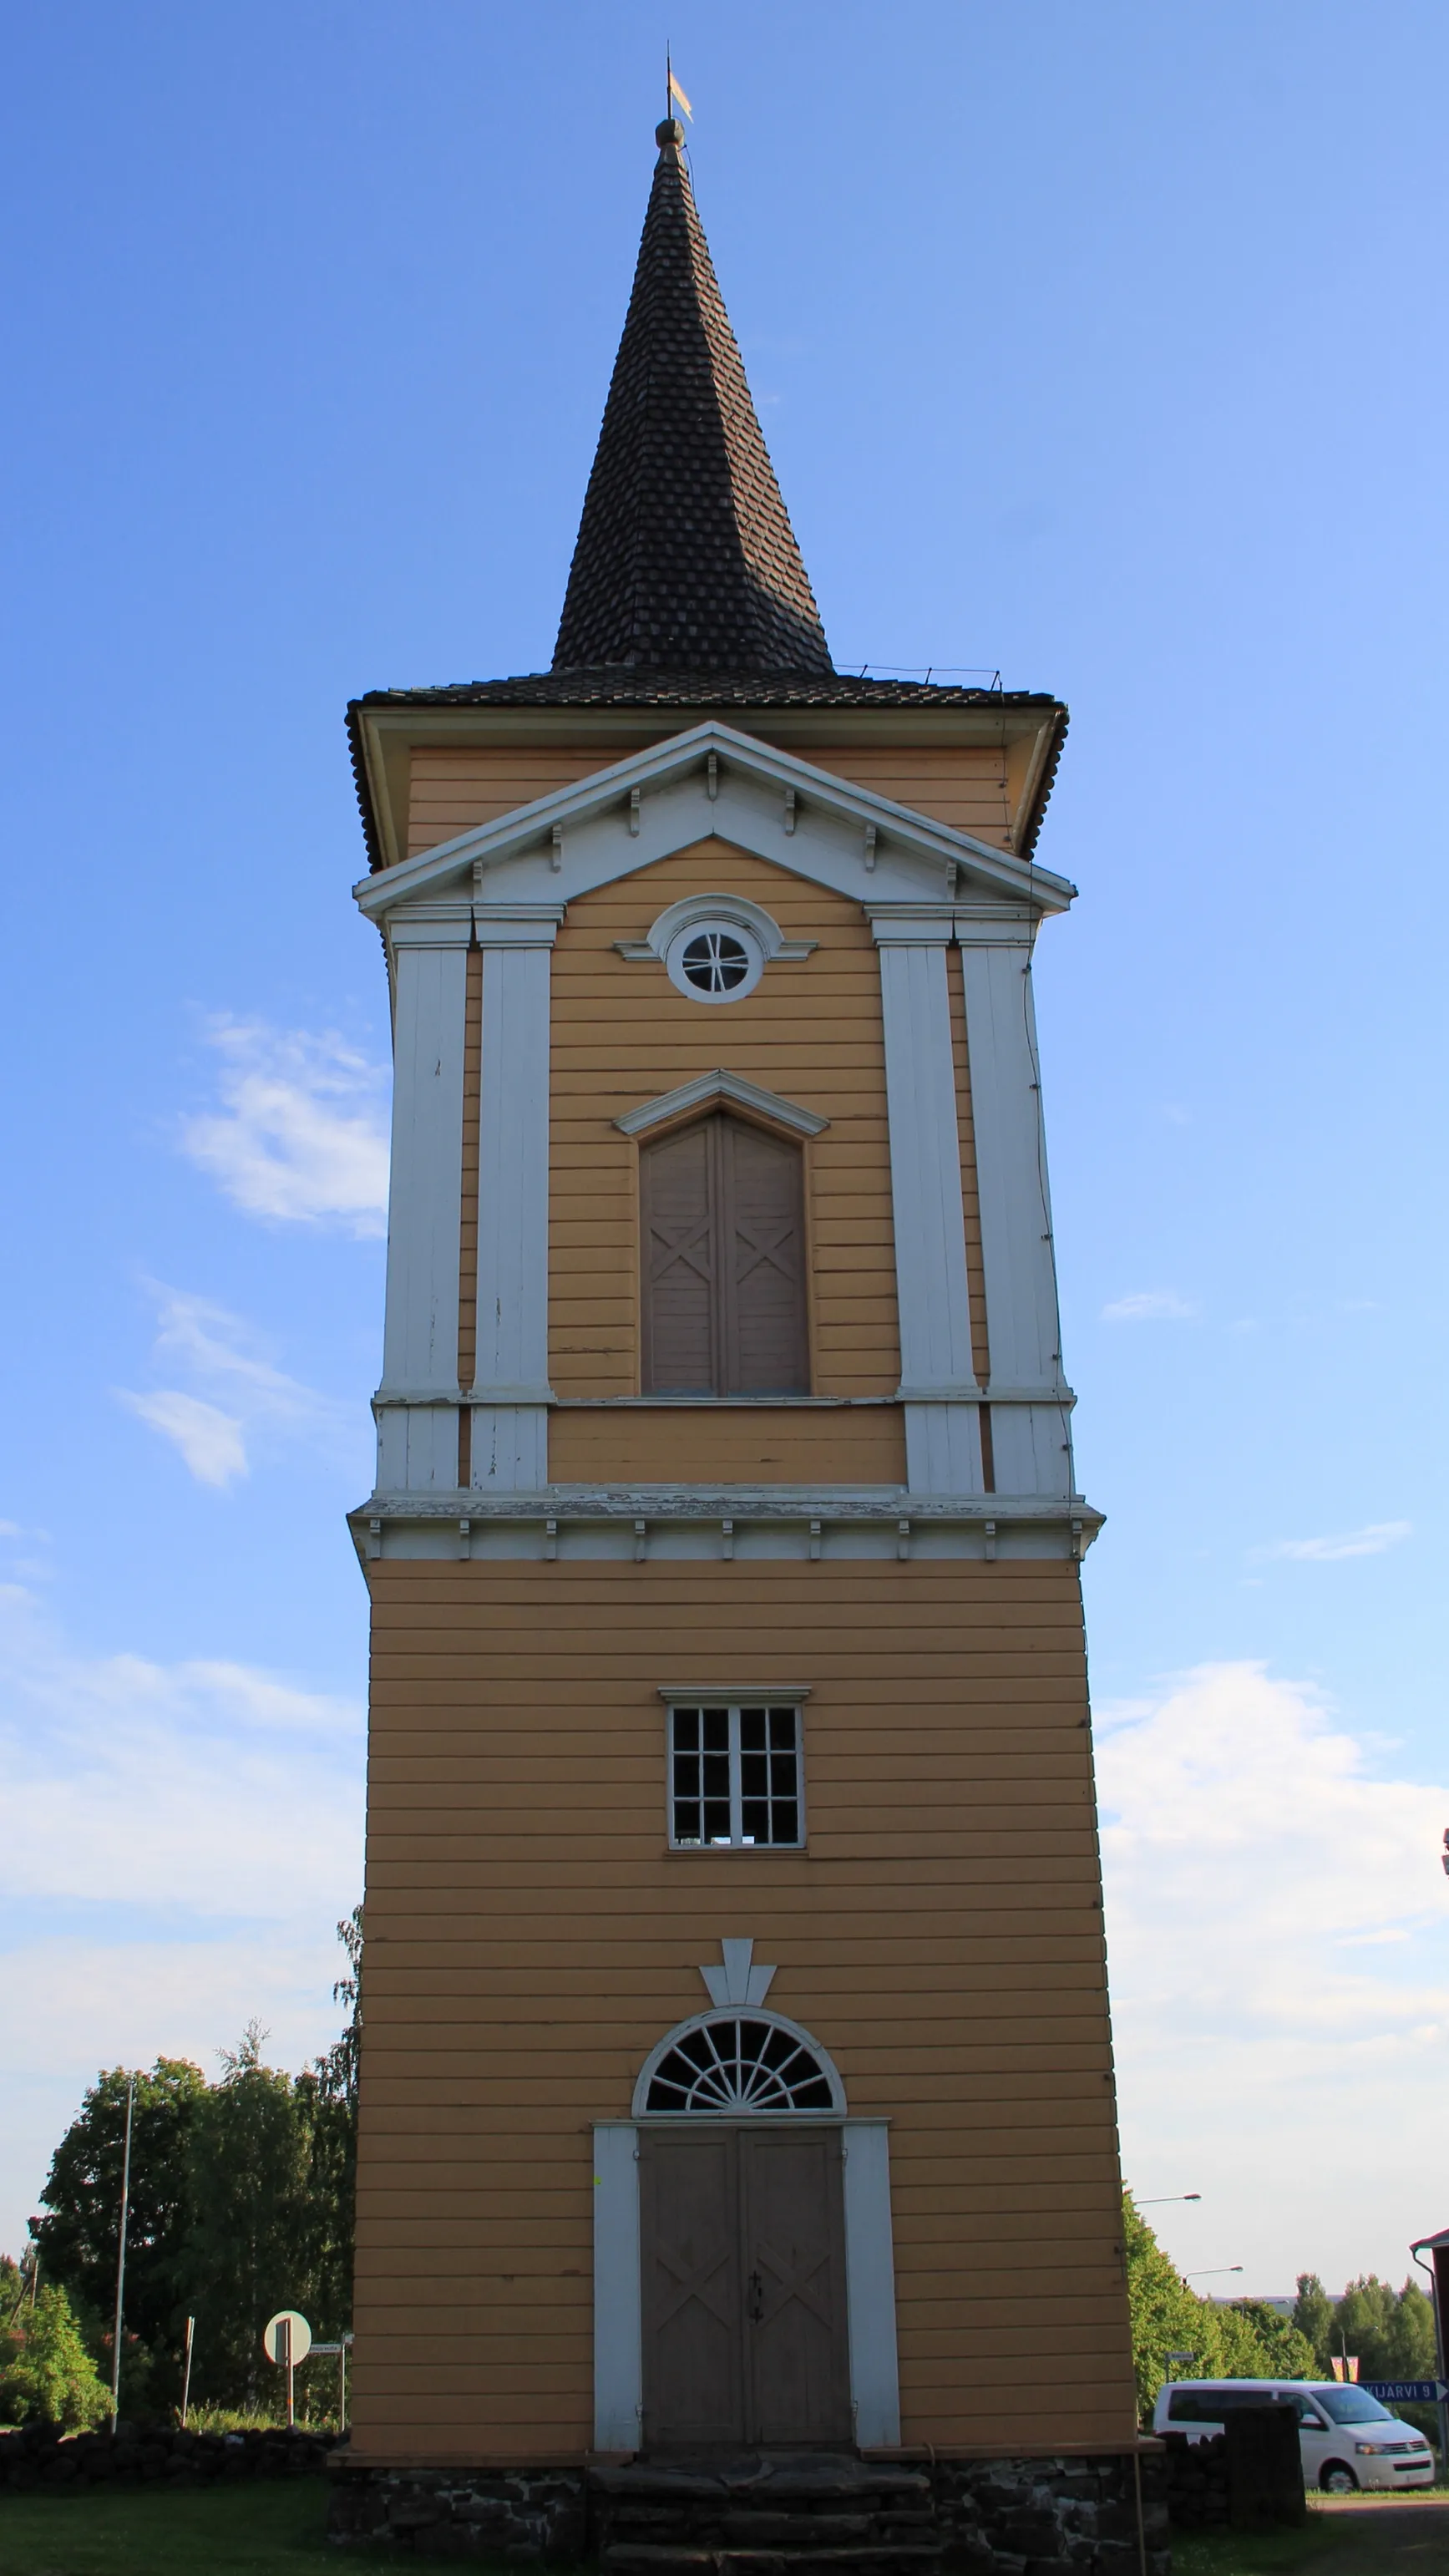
x,y
743,2252
723,1263
794,2247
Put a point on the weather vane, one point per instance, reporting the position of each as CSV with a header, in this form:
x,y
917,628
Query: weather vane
x,y
672,91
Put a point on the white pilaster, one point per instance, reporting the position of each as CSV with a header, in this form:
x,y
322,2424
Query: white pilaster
x,y
943,1432
618,2338
511,1394
1030,1399
870,2285
417,1402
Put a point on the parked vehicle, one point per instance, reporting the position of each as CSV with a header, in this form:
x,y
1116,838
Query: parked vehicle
x,y
1347,2438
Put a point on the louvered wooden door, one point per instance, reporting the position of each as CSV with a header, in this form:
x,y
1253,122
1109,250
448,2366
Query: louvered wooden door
x,y
723,1266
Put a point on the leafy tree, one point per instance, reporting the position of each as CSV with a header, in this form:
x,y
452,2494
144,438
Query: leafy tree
x,y
245,2254
46,2373
1391,2332
333,2144
241,2202
78,2233
1245,2340
1166,2317
1313,2316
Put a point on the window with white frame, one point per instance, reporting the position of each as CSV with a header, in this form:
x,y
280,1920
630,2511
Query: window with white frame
x,y
735,1774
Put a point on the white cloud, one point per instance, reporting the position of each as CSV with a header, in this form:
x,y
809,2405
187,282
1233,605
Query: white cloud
x,y
183,1838
210,1441
301,1135
1372,1541
1150,1306
221,1352
1251,1856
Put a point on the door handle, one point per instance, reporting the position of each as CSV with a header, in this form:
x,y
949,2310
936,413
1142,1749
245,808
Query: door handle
x,y
755,2300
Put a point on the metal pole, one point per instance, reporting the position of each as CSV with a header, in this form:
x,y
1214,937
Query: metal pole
x,y
186,2381
342,2385
121,2260
287,2357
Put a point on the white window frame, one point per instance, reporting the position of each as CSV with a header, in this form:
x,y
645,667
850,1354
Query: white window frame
x,y
733,1699
723,926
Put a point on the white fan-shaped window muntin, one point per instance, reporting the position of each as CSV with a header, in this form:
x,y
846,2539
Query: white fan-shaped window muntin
x,y
740,2063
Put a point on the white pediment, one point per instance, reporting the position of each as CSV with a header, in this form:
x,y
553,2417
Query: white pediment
x,y
715,782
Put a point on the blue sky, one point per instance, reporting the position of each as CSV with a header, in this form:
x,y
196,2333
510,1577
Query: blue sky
x,y
1100,348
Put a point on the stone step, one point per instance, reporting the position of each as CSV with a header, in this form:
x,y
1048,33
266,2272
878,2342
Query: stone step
x,y
871,2558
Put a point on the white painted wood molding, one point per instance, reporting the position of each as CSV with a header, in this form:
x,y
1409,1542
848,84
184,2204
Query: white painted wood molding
x,y
618,2324
1032,1439
938,1382
417,1402
870,2285
511,1394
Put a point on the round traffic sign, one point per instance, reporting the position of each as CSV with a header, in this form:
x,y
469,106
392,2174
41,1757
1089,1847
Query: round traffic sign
x,y
272,2342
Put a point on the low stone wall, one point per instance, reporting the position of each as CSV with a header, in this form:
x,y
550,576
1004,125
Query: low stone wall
x,y
460,2513
1048,2517
141,2454
1195,2479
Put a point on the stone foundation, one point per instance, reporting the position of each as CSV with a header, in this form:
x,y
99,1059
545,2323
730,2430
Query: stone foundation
x,y
780,2514
520,2514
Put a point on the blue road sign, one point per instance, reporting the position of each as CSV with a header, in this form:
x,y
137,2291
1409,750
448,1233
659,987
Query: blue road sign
x,y
1407,2392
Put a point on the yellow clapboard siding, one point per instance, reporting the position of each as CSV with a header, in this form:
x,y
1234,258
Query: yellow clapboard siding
x,y
528,1945
621,1034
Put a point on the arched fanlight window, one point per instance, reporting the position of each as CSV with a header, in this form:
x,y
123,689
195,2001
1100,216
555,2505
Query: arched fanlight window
x,y
740,2063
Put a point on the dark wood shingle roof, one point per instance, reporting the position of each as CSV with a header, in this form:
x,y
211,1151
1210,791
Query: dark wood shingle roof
x,y
686,560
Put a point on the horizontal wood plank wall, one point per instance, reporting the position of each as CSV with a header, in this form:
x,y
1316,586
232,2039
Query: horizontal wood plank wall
x,y
973,789
530,1936
744,1445
453,790
622,1034
970,789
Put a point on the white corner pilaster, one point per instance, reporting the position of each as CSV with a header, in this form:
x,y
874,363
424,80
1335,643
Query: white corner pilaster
x,y
938,1385
510,1395
417,1403
618,2324
870,2285
1030,1399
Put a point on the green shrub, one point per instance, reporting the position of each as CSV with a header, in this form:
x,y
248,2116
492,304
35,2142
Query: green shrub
x,y
46,2371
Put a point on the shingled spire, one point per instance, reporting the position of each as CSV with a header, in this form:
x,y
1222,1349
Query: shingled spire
x,y
685,561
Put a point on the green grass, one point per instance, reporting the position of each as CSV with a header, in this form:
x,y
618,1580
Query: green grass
x,y
1230,2553
1340,2543
261,2529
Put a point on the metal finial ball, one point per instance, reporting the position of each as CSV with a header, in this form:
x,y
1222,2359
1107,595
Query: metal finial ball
x,y
671,131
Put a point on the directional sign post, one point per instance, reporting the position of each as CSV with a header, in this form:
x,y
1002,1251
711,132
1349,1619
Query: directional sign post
x,y
1407,2392
286,2340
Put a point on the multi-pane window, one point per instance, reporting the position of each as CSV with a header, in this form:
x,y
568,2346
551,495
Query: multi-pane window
x,y
734,1775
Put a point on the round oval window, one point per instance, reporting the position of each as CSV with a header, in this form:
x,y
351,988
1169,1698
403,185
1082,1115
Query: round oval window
x,y
715,961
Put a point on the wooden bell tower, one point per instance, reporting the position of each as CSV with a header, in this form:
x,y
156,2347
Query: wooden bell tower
x,y
737,2067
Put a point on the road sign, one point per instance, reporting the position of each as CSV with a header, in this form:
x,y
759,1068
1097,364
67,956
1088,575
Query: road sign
x,y
273,2342
1407,2392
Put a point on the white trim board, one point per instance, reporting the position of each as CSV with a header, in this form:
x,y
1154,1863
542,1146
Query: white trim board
x,y
712,780
720,1085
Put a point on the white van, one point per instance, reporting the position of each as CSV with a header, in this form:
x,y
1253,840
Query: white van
x,y
1347,2438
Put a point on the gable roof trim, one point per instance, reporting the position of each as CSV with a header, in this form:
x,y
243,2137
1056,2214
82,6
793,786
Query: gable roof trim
x,y
713,747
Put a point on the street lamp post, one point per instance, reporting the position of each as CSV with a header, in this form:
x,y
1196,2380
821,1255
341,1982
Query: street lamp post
x,y
121,2260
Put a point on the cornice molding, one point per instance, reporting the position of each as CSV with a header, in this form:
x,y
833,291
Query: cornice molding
x,y
721,1085
712,779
